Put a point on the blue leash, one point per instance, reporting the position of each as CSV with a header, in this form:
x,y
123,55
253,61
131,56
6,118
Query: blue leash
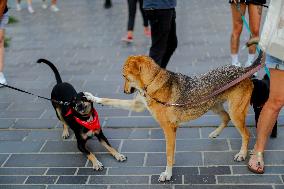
x,y
248,29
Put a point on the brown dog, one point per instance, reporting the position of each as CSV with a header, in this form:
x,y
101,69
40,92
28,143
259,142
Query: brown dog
x,y
158,87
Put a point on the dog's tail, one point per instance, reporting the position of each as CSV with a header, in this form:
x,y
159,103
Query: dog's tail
x,y
54,69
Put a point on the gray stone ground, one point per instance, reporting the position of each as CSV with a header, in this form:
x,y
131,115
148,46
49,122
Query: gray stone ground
x,y
83,40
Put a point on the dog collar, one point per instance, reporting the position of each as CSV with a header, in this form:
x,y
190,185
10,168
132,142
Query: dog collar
x,y
91,125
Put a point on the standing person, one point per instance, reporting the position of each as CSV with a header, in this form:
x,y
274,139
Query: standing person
x,y
53,6
131,20
162,16
255,12
30,8
3,21
271,41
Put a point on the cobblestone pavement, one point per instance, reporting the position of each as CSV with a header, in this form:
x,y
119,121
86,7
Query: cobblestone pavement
x,y
83,40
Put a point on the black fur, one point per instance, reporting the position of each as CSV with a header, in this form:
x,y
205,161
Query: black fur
x,y
259,96
65,92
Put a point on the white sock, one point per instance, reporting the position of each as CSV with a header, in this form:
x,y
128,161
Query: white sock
x,y
235,59
250,59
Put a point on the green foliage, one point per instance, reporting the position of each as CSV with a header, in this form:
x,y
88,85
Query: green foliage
x,y
12,20
7,42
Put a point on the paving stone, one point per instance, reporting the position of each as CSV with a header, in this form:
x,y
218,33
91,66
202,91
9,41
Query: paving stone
x,y
133,159
12,179
46,160
249,179
161,186
219,186
71,146
35,124
20,146
220,158
199,179
75,186
139,134
41,180
117,133
6,123
144,146
181,159
72,180
131,122
91,171
23,186
202,145
21,114
13,135
61,171
119,179
278,186
136,171
113,113
22,171
39,135
215,170
176,179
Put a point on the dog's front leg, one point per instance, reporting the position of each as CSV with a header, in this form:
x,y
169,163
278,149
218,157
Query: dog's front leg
x,y
97,165
136,104
170,136
103,140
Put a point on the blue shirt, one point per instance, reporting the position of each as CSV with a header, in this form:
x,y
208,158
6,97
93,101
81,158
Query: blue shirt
x,y
159,4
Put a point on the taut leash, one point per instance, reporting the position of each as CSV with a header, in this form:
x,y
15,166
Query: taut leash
x,y
42,97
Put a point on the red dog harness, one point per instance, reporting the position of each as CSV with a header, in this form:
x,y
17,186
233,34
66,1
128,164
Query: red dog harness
x,y
91,125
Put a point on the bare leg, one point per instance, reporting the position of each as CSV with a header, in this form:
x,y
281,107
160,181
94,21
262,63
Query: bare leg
x,y
255,12
2,39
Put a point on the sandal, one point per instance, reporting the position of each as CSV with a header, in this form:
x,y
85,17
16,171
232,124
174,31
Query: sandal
x,y
256,163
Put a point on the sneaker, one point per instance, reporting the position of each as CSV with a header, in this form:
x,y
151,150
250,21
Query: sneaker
x,y
30,9
238,64
248,63
128,39
2,79
44,6
147,32
18,7
54,8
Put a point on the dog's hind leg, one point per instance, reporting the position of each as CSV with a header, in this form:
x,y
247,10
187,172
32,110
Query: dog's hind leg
x,y
103,140
225,118
238,107
97,165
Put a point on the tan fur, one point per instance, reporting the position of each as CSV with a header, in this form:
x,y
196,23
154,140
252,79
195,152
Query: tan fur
x,y
153,83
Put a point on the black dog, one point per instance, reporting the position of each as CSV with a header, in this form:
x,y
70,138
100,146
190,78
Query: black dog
x,y
80,115
259,96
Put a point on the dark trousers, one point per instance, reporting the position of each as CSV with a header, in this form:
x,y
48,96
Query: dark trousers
x,y
163,33
132,4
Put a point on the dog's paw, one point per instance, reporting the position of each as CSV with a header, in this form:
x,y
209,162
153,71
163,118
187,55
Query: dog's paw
x,y
92,98
98,166
165,176
240,156
65,134
214,134
120,157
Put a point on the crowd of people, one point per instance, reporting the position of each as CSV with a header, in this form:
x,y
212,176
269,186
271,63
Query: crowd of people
x,y
159,21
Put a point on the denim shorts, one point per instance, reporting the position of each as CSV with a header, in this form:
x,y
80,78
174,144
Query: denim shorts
x,y
273,62
4,21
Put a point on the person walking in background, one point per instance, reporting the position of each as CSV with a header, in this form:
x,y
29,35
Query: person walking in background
x,y
255,12
53,6
30,8
131,20
162,16
3,21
